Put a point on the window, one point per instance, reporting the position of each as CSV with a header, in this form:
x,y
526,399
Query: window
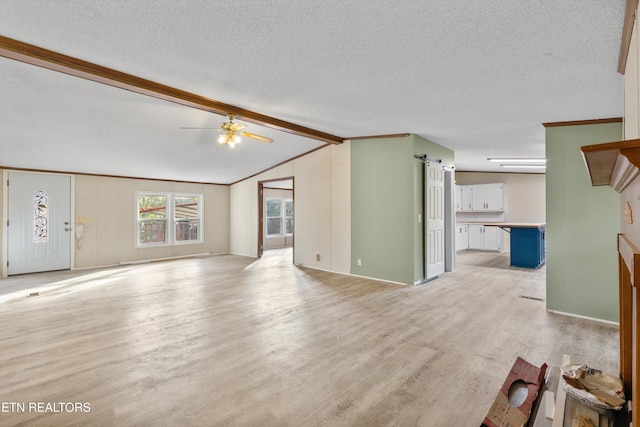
x,y
279,217
40,217
274,217
288,216
187,218
155,211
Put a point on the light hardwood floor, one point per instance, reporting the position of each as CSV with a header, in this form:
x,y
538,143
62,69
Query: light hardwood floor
x,y
230,341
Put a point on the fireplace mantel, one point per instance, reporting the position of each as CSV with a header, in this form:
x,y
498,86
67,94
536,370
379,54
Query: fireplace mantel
x,y
615,164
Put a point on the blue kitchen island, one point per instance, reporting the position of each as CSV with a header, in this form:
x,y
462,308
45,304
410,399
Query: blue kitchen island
x,y
528,244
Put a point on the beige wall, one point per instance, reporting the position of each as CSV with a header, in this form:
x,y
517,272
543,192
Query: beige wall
x,y
105,220
322,209
106,208
524,194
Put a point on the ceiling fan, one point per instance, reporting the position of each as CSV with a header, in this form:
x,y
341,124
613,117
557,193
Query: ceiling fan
x,y
231,132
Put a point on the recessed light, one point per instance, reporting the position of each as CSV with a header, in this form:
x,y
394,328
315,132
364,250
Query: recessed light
x,y
517,160
523,166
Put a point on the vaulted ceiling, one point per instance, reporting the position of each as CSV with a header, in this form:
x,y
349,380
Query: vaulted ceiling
x,y
477,77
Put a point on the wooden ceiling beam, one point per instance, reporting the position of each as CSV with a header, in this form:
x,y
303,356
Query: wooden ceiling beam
x,y
34,55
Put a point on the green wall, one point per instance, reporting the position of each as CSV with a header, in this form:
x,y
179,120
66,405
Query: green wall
x,y
382,208
582,226
385,202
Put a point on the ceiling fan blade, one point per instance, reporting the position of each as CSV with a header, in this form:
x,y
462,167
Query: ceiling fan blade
x,y
236,126
254,136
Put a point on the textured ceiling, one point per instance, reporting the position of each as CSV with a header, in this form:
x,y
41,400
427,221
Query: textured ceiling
x,y
477,77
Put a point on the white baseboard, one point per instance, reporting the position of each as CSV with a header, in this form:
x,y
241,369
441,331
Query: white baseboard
x,y
594,319
171,258
352,275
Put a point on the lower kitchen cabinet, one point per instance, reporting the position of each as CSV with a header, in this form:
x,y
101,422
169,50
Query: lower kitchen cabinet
x,y
462,237
528,247
485,238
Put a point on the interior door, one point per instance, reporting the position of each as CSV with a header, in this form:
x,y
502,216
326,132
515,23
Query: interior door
x,y
434,230
39,227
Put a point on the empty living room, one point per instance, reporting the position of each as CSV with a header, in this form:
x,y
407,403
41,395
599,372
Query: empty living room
x,y
337,213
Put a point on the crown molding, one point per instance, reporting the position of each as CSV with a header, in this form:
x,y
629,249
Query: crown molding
x,y
627,31
583,122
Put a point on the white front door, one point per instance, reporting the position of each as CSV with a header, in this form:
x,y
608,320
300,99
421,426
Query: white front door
x,y
39,227
434,230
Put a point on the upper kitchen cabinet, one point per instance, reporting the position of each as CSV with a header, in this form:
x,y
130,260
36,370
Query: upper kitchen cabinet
x,y
464,201
480,198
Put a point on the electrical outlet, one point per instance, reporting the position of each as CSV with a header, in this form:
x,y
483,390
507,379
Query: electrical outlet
x,y
317,257
359,262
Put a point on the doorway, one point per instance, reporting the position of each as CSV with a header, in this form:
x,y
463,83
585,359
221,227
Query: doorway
x,y
38,228
275,215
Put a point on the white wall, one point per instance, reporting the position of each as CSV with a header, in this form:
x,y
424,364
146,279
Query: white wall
x,y
322,209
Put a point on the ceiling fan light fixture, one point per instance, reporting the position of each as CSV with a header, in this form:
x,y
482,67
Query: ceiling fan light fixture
x,y
231,132
229,138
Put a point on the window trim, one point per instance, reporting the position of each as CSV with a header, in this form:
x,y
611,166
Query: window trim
x,y
170,232
284,217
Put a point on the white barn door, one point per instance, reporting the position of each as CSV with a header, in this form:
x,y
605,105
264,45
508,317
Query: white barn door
x,y
39,227
434,226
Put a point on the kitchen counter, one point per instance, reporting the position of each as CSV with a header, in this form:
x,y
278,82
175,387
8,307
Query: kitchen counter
x,y
528,244
507,224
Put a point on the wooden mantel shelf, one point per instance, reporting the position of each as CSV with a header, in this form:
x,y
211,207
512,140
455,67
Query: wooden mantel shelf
x,y
615,164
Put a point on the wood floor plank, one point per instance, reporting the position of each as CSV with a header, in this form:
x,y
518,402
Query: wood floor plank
x,y
231,341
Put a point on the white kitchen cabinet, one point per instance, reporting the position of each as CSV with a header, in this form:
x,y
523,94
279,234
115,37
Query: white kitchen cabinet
x,y
467,198
485,238
487,198
493,239
480,198
476,240
494,197
462,237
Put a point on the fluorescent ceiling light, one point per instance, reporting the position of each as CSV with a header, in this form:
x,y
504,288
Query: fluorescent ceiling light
x,y
516,160
523,166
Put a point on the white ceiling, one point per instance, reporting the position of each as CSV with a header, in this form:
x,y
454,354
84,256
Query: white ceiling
x,y
476,76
